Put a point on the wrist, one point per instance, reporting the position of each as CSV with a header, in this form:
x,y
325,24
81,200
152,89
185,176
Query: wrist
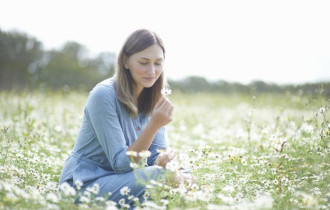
x,y
153,125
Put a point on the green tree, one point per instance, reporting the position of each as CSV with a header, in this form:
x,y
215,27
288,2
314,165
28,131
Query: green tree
x,y
19,60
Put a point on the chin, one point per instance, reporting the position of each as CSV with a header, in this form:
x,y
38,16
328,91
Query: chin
x,y
149,85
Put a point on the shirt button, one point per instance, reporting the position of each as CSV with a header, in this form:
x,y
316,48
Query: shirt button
x,y
138,128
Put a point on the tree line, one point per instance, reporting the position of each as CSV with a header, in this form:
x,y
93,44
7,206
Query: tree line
x,y
26,65
200,84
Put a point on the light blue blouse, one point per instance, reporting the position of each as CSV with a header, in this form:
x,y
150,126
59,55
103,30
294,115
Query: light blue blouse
x,y
106,132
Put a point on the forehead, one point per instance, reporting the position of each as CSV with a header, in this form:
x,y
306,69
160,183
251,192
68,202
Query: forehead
x,y
154,52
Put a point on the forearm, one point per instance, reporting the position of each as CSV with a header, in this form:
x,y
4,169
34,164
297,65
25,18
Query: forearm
x,y
144,140
161,116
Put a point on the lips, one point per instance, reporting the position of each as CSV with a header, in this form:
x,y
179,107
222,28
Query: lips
x,y
150,79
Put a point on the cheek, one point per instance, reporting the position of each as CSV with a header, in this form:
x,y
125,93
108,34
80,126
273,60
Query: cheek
x,y
137,69
159,71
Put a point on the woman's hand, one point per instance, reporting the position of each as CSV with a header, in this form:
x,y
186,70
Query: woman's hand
x,y
178,178
162,113
165,157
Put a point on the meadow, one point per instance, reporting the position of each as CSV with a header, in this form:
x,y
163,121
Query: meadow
x,y
247,152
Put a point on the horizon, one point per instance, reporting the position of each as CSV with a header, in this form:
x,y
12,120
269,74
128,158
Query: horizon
x,y
246,42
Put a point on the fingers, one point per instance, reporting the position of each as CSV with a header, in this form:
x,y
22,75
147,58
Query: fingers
x,y
162,113
171,155
169,110
168,107
166,157
160,102
163,103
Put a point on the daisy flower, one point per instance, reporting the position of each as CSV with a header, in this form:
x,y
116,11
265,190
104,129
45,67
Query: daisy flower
x,y
132,153
166,91
125,190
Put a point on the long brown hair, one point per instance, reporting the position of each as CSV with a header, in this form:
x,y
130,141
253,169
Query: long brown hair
x,y
125,84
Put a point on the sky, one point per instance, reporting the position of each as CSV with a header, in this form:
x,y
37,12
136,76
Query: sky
x,y
239,41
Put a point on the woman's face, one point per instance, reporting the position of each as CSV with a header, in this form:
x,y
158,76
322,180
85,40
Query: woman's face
x,y
146,66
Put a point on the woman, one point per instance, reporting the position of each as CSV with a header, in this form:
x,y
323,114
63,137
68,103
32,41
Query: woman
x,y
124,113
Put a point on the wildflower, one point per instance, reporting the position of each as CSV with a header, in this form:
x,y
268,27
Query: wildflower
x,y
94,189
151,205
273,170
173,165
323,109
125,190
58,128
101,199
194,187
310,201
285,181
126,206
52,206
51,186
263,202
84,199
225,198
134,165
110,204
228,188
232,159
121,201
52,197
164,202
160,151
166,91
67,189
87,192
113,207
131,153
135,199
130,197
146,195
83,206
191,196
244,162
212,206
78,184
144,153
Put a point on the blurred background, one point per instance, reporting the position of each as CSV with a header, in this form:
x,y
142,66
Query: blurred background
x,y
211,46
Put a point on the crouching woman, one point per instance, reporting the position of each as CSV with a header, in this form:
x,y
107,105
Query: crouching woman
x,y
123,115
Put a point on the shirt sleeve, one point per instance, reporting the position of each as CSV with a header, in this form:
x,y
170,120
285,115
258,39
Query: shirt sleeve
x,y
159,142
101,111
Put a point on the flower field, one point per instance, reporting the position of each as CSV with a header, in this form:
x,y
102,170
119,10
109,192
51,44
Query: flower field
x,y
246,152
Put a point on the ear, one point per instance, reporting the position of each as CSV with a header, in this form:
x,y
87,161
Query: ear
x,y
125,61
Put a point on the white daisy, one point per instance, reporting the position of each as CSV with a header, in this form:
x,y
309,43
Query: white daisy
x,y
125,190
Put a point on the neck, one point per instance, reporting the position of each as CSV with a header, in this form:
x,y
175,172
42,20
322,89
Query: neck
x,y
137,92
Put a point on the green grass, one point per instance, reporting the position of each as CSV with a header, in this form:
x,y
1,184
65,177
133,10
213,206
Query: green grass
x,y
246,152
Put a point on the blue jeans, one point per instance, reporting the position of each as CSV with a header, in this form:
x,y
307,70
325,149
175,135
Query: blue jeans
x,y
135,180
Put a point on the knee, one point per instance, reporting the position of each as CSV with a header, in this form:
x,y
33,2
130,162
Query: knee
x,y
151,172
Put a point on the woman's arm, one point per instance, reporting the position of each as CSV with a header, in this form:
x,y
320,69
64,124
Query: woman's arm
x,y
101,112
160,117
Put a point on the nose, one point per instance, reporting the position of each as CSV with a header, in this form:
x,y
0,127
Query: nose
x,y
151,69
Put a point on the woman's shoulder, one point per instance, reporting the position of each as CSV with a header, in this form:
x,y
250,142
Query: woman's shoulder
x,y
105,90
110,82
